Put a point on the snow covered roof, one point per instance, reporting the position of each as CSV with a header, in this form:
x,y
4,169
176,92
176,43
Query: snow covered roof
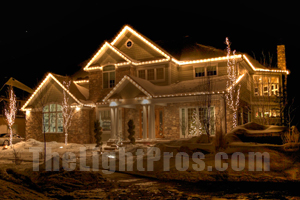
x,y
184,88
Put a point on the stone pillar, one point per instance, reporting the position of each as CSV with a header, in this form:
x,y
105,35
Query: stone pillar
x,y
144,121
116,110
112,124
151,121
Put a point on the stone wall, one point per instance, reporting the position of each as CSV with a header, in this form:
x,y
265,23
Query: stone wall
x,y
172,119
79,131
134,114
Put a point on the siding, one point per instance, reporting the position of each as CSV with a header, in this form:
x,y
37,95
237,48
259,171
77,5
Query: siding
x,y
174,72
222,68
165,66
185,73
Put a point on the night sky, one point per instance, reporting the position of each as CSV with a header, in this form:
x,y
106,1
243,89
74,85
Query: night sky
x,y
36,38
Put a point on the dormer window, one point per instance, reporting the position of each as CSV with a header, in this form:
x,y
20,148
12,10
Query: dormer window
x,y
109,76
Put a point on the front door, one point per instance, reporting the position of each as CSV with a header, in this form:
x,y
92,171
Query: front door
x,y
159,123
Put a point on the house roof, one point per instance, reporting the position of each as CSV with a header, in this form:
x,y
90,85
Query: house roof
x,y
187,49
183,88
77,93
182,52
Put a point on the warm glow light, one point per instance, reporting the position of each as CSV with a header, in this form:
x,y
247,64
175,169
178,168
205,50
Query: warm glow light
x,y
145,101
264,70
81,81
113,104
105,46
140,37
133,82
27,112
77,108
204,60
41,85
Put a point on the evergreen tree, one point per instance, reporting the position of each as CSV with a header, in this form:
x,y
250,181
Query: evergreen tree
x,y
131,131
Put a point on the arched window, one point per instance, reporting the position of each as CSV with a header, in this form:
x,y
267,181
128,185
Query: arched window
x,y
53,119
109,76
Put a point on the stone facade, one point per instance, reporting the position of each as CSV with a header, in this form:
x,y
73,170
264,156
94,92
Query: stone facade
x,y
79,131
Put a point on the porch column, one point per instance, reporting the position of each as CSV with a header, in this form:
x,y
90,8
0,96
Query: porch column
x,y
117,136
151,121
112,124
144,121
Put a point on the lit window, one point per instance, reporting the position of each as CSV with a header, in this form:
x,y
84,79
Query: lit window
x,y
211,71
266,86
199,71
189,125
109,76
266,112
52,118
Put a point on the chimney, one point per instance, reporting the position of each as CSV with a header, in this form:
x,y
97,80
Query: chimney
x,y
281,61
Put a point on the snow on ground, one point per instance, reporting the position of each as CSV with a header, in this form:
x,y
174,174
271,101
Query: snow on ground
x,y
283,167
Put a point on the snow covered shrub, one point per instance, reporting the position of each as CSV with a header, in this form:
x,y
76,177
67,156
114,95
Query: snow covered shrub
x,y
131,131
98,133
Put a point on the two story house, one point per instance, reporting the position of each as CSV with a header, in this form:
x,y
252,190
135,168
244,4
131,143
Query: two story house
x,y
167,89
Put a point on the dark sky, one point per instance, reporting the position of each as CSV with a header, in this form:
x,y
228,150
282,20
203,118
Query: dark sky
x,y
36,38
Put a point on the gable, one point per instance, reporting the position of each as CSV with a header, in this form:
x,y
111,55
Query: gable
x,y
142,49
127,88
49,91
107,55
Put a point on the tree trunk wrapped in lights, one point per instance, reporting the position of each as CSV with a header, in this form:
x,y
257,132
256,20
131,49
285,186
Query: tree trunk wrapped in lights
x,y
67,111
10,112
233,91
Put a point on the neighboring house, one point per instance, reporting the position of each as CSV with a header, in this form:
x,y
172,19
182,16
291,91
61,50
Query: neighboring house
x,y
22,92
158,85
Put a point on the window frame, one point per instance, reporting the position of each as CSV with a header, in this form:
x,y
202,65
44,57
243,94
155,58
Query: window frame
x,y
260,86
155,73
108,77
205,71
187,121
49,112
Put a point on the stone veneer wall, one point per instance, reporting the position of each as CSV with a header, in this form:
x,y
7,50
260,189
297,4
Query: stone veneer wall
x,y
96,92
79,132
134,114
172,121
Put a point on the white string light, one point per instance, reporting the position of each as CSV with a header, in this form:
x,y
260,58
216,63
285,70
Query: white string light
x,y
10,113
67,111
233,93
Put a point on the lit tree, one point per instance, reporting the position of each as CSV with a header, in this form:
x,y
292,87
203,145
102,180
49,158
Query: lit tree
x,y
10,112
233,93
67,111
195,128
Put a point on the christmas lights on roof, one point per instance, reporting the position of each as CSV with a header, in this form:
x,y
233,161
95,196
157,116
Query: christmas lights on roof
x,y
120,83
41,85
264,70
127,28
105,46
